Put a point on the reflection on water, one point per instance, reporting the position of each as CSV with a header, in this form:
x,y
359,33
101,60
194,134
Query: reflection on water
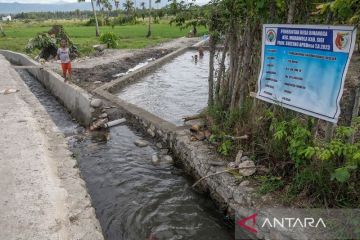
x,y
133,199
175,90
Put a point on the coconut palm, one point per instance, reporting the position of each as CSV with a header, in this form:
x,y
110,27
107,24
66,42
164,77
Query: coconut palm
x,y
149,26
116,2
94,11
128,6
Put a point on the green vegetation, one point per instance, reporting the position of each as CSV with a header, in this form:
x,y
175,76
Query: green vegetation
x,y
305,158
130,36
110,39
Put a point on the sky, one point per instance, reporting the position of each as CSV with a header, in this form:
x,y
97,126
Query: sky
x,y
36,1
56,1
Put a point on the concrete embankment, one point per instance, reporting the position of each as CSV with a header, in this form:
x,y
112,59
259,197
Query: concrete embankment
x,y
75,99
42,194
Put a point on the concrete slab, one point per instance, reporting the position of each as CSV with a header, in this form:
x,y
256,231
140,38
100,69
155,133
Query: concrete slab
x,y
41,193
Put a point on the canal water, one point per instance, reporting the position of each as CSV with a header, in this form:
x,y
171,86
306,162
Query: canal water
x,y
174,90
133,198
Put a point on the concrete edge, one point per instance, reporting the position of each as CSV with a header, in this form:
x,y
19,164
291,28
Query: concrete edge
x,y
136,75
194,156
74,98
76,217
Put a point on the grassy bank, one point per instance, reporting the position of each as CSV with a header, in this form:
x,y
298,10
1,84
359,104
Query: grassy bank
x,y
131,36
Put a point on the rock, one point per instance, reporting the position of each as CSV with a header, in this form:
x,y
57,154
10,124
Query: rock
x,y
245,158
99,47
193,138
164,151
97,82
155,159
249,168
98,124
141,143
244,183
239,156
96,103
150,132
195,128
104,115
159,145
168,159
263,169
207,133
232,165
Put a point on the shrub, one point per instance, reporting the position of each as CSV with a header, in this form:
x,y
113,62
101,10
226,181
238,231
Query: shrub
x,y
110,39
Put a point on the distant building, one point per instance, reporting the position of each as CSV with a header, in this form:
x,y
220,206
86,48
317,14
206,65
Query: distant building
x,y
6,18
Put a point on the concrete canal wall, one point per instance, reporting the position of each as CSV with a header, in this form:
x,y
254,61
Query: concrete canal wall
x,y
74,98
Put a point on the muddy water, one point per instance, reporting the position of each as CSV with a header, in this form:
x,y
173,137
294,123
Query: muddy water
x,y
134,199
177,89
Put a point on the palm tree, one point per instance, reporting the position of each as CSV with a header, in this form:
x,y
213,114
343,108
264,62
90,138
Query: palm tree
x,y
128,6
157,3
149,26
94,11
117,2
143,10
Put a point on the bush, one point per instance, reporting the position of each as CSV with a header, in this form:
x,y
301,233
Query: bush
x,y
110,39
101,21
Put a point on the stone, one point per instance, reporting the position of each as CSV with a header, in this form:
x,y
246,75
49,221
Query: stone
x,y
160,133
159,145
239,156
244,183
232,165
97,82
141,143
155,159
248,168
96,103
168,159
104,115
99,47
150,132
263,169
245,158
164,151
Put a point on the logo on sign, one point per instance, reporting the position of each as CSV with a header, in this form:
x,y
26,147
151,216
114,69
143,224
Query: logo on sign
x,y
271,35
342,40
252,219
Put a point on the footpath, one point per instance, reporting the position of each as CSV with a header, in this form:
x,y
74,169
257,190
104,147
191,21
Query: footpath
x,y
42,195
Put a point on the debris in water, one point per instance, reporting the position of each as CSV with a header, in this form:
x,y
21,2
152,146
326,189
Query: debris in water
x,y
141,143
155,159
98,124
168,159
114,123
8,91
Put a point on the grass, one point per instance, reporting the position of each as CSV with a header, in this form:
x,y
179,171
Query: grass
x,y
130,36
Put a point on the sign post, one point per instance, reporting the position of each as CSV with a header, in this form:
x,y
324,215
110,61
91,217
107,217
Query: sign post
x,y
303,67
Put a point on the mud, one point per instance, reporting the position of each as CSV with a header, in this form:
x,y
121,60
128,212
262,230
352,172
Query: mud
x,y
91,78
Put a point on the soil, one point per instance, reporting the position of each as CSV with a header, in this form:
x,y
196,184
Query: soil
x,y
90,79
102,66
